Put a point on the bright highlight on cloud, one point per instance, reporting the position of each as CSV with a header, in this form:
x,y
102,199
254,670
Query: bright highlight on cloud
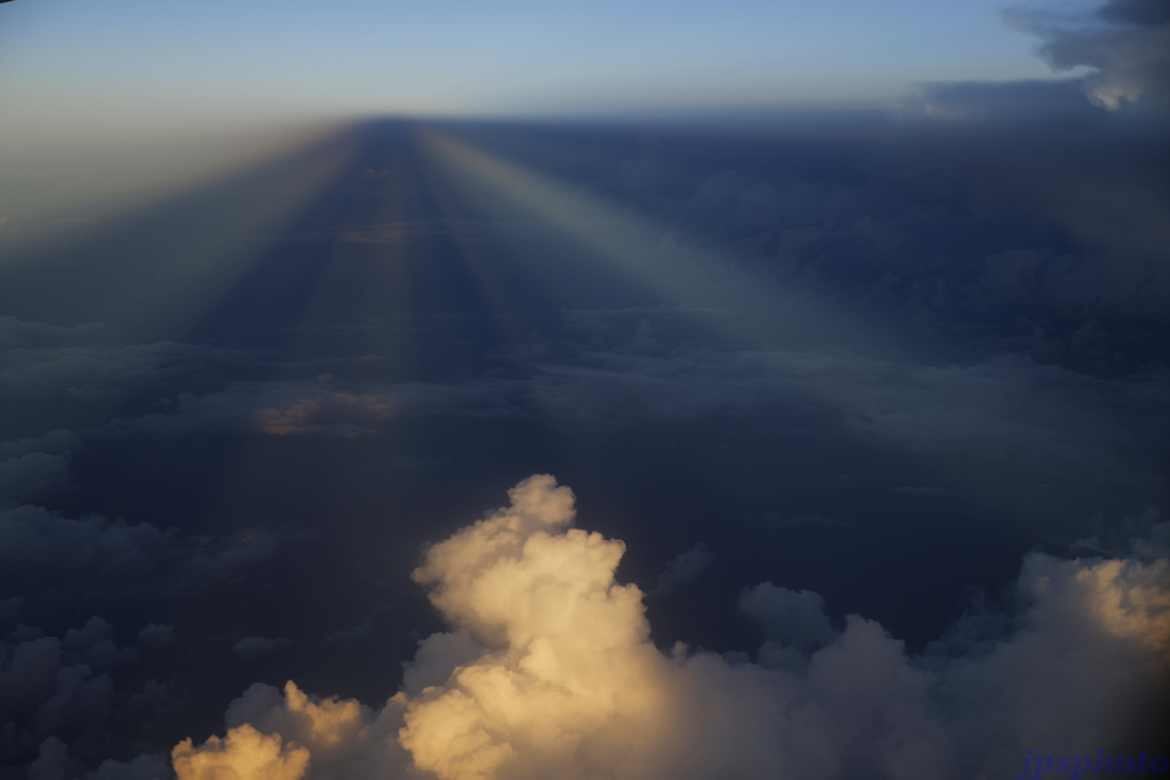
x,y
550,671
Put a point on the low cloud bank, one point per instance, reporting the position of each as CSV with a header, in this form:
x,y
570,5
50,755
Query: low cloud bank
x,y
550,671
60,697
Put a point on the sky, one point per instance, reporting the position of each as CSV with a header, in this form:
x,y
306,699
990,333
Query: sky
x,y
409,392
366,56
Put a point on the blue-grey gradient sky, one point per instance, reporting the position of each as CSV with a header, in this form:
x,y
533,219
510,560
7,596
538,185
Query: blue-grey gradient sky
x,y
516,57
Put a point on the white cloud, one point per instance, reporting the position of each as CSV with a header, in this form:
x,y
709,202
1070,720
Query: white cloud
x,y
551,672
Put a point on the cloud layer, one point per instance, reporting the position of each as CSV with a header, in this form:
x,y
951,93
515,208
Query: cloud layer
x,y
551,672
1126,43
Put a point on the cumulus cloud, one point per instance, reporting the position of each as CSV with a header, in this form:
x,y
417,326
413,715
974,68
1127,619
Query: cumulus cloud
x,y
245,752
795,618
39,546
1125,43
56,687
684,567
1088,658
551,672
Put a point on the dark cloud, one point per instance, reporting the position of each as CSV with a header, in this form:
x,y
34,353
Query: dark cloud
x,y
60,687
1126,43
252,648
789,618
156,635
54,762
38,545
684,568
1139,12
10,607
32,467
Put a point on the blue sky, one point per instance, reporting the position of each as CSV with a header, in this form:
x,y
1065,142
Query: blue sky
x,y
518,57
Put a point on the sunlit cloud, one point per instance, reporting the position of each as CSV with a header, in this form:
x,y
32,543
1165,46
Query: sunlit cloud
x,y
551,672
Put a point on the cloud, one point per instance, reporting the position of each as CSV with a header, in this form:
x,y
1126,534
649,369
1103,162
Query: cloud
x,y
995,429
789,617
23,333
148,767
30,474
1088,658
39,545
156,635
31,466
89,373
56,688
51,762
1126,44
551,672
251,648
683,568
302,408
10,607
41,539
437,655
350,412
244,753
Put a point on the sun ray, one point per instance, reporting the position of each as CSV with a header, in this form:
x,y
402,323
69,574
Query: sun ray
x,y
711,286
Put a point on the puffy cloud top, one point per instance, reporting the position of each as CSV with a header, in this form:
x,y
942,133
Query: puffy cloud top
x,y
550,672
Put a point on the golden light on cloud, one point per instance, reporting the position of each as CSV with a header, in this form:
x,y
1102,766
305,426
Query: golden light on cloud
x,y
550,671
568,653
307,415
243,753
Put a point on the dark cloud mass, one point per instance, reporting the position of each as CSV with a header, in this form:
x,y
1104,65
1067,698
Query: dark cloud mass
x,y
1126,44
